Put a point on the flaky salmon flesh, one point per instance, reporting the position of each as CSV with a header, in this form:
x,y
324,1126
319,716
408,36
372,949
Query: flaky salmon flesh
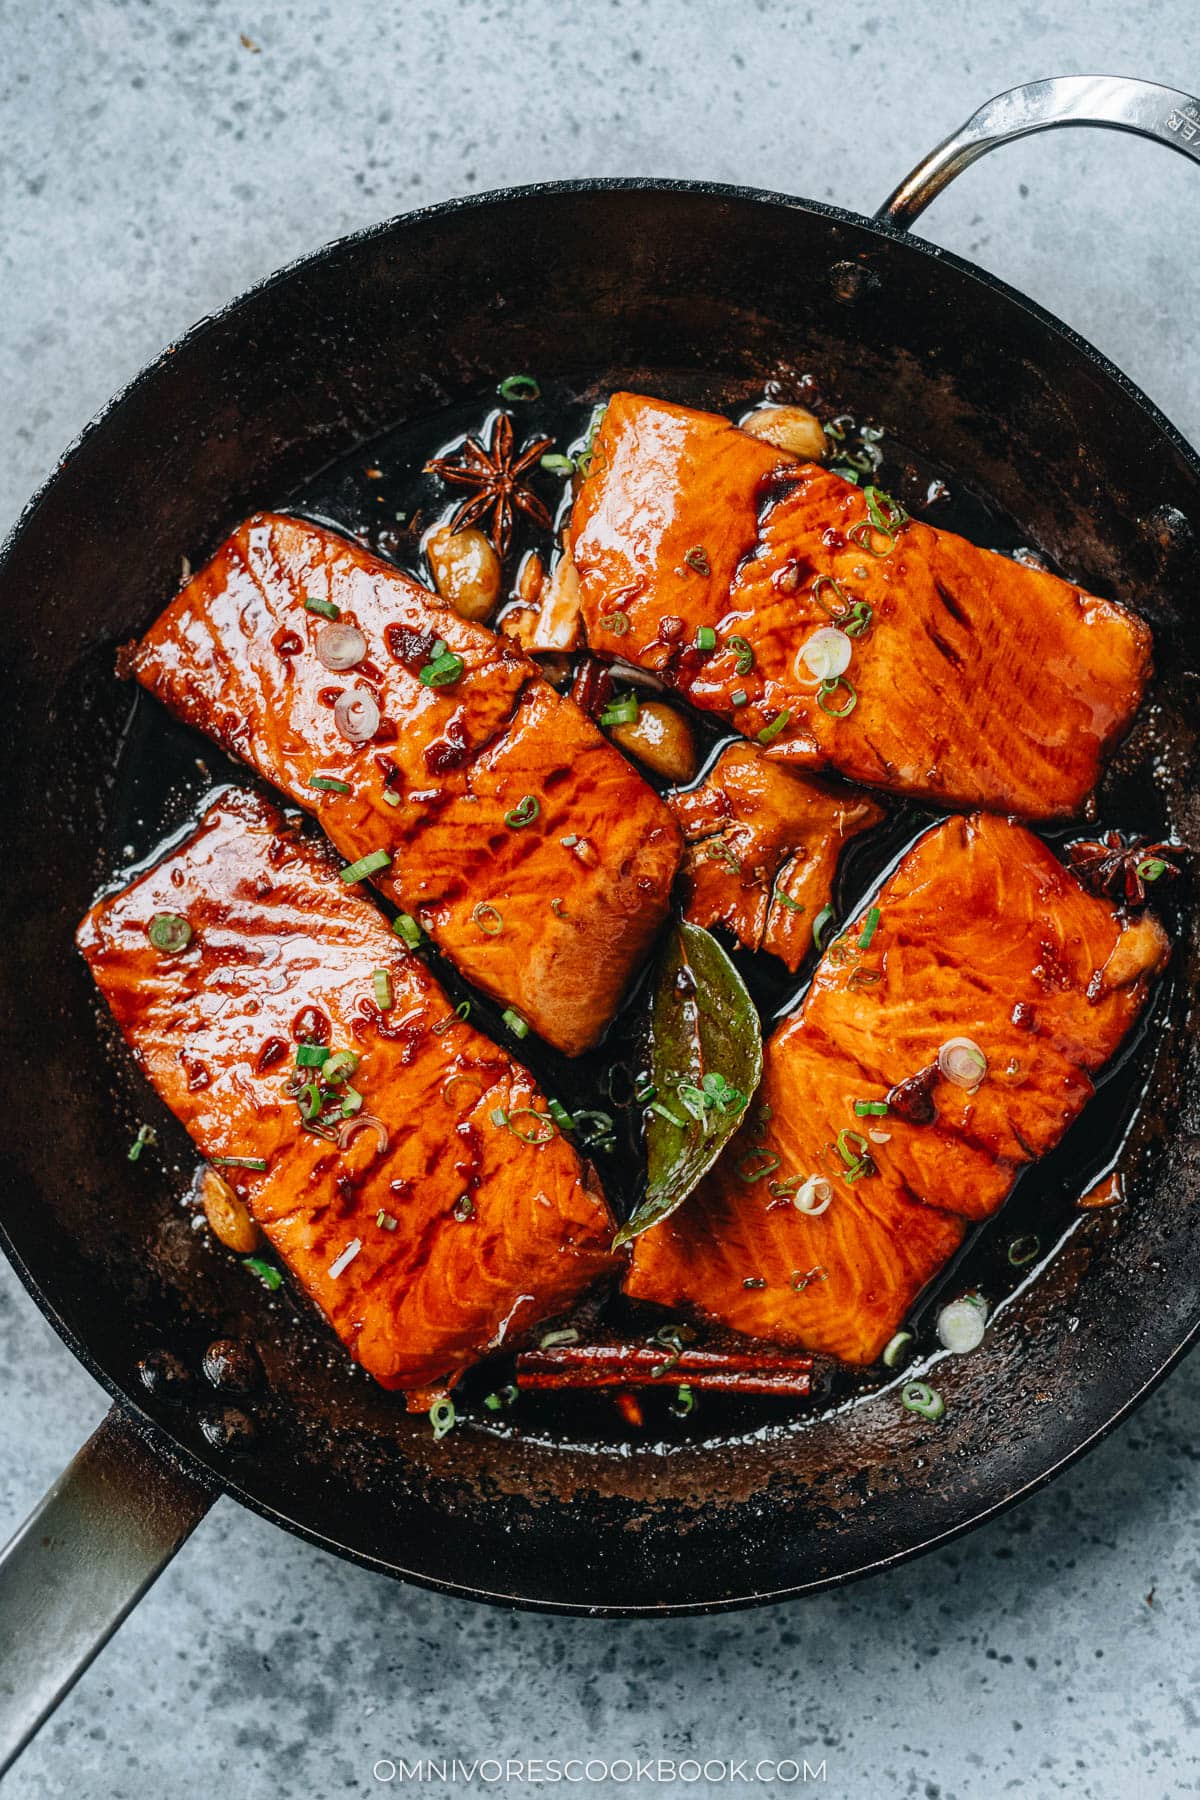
x,y
972,680
982,935
763,845
430,1234
526,845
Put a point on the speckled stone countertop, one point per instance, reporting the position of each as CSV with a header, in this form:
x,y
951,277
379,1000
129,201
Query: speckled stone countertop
x,y
152,164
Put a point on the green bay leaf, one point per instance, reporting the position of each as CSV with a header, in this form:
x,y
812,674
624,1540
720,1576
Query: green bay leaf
x,y
705,1062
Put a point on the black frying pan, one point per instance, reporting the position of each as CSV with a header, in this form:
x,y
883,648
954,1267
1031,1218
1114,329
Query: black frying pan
x,y
673,288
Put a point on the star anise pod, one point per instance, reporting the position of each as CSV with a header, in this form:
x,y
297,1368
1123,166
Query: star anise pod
x,y
495,474
1121,868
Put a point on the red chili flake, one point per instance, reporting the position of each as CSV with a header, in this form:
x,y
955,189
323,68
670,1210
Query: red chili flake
x,y
409,645
448,752
311,1026
272,1052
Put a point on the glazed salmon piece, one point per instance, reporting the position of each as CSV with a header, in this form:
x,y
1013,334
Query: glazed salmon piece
x,y
763,849
433,1234
980,933
840,1282
468,787
951,638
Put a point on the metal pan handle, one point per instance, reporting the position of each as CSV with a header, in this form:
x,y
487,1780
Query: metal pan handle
x,y
112,1522
1113,100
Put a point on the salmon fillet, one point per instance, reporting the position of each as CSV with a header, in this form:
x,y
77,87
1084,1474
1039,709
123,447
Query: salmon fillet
x,y
466,1236
492,795
980,933
762,849
685,523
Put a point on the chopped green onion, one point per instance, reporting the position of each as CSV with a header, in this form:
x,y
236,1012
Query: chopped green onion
x,y
309,1100
386,1221
557,908
858,620
919,1397
697,558
754,1282
745,655
238,1162
1022,1250
656,1106
891,1354
539,1133
524,812
146,1135
755,1164
893,520
825,917
852,1147
489,918
267,1273
406,927
845,602
828,689
390,798
381,981
340,1066
462,1011
621,712
351,1102
326,608
498,1116
169,932
516,1024
442,1416
329,784
557,465
616,622
961,1324
1152,868
595,1130
645,1093
739,697
366,865
683,1402
500,1399
560,1115
550,1339
871,1109
869,928
706,638
770,732
310,1056
464,1208
519,387
443,670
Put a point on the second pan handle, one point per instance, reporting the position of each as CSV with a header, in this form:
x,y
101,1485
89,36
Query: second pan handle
x,y
1115,101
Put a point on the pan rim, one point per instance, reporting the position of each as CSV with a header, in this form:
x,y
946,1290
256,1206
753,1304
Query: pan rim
x,y
159,1435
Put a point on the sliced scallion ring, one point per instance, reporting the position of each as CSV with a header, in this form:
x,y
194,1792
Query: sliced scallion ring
x,y
919,1397
961,1324
170,933
442,1417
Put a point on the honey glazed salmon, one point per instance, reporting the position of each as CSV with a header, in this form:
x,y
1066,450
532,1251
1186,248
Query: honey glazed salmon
x,y
485,803
948,1040
944,671
402,1166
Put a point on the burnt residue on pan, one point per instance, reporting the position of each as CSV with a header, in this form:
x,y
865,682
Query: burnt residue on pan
x,y
705,298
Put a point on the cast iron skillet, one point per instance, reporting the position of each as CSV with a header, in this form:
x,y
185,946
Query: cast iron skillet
x,y
636,284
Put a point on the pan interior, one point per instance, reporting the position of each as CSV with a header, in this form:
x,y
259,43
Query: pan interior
x,y
707,298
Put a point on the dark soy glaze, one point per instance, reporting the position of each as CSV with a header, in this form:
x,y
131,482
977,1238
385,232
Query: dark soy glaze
x,y
380,496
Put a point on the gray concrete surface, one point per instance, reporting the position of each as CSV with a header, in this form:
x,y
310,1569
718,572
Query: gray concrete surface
x,y
151,166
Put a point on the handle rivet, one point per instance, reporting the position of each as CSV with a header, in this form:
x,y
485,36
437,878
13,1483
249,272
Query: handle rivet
x,y
1170,529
